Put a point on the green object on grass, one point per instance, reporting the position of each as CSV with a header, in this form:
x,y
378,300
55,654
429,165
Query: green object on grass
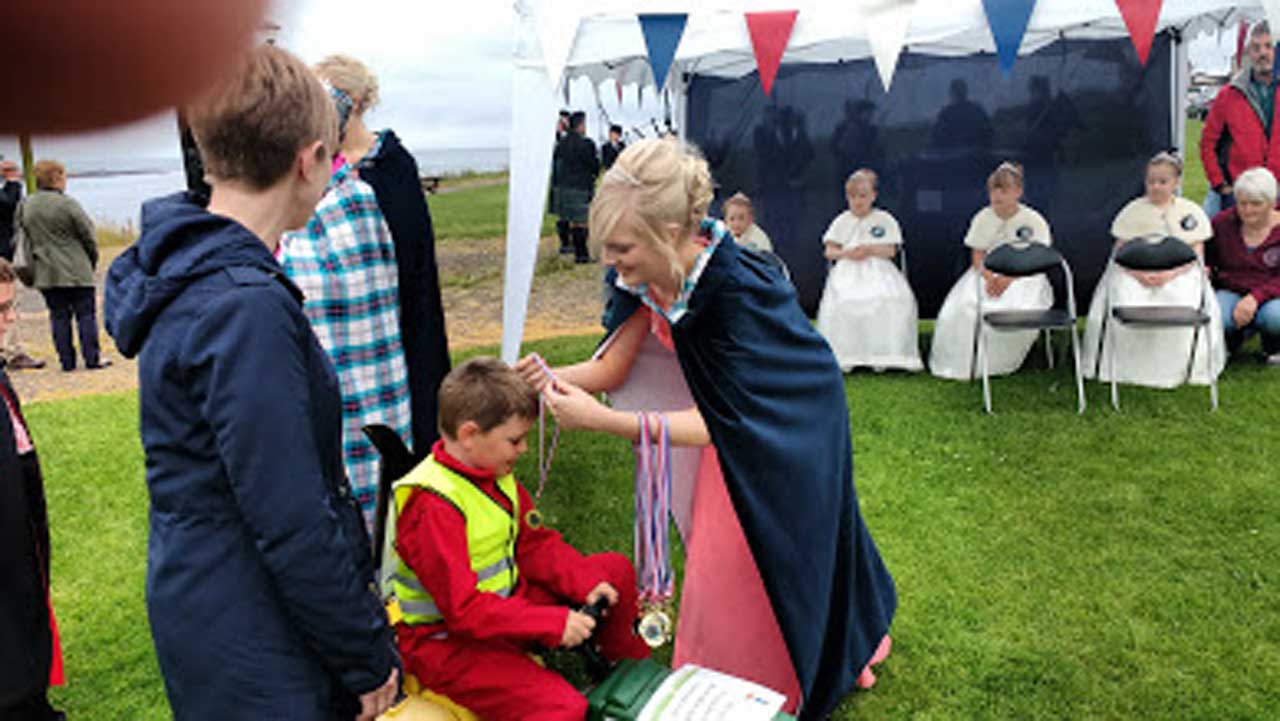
x,y
624,693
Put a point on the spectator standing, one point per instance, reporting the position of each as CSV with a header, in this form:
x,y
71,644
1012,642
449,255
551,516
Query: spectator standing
x,y
576,167
65,252
611,149
381,160
1237,132
10,198
562,226
259,571
30,660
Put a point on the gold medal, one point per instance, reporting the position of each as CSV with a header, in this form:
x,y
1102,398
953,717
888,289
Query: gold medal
x,y
654,627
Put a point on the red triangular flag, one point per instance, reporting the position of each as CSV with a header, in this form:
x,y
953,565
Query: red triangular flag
x,y
1140,18
769,35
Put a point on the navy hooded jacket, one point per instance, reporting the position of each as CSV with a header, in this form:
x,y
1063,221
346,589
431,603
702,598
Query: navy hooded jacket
x,y
258,565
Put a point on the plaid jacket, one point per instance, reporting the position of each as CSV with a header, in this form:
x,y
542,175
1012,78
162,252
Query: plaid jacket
x,y
344,262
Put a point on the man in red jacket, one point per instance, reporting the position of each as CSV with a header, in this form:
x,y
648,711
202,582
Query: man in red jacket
x,y
1237,133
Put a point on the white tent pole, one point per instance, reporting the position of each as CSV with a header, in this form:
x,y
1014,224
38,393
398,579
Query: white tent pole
x,y
1179,80
533,120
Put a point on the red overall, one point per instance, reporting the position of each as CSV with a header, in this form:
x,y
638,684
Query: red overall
x,y
482,661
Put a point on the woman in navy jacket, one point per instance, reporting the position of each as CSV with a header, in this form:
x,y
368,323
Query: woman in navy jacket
x,y
258,567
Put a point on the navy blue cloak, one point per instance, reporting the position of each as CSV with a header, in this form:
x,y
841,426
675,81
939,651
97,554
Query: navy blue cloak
x,y
773,399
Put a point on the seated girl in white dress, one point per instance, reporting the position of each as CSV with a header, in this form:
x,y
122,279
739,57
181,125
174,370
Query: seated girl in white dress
x,y
868,313
1155,357
741,219
1005,220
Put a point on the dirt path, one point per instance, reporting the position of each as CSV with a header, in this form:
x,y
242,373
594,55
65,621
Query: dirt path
x,y
565,300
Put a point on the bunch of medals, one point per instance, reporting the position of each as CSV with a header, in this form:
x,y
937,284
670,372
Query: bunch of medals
x,y
652,537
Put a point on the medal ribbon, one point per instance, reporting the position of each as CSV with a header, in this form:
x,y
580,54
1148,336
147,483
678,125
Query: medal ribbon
x,y
545,456
653,508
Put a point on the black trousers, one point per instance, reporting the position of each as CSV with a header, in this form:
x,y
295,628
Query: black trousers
x,y
32,708
64,303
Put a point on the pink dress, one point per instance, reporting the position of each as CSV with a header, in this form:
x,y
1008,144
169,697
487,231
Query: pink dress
x,y
726,621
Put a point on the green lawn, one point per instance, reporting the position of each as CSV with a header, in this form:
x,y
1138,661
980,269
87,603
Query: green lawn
x,y
1049,565
475,213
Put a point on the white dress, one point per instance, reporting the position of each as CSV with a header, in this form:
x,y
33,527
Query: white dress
x,y
868,313
1155,357
952,352
756,239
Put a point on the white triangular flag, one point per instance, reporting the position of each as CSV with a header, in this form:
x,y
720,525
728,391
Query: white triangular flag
x,y
1272,8
887,22
557,30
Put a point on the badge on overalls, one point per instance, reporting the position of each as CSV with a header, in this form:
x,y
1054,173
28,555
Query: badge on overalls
x,y
652,536
877,231
1024,233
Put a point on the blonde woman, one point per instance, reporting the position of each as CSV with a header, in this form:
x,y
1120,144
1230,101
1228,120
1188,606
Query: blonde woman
x,y
868,312
783,584
1005,220
1155,357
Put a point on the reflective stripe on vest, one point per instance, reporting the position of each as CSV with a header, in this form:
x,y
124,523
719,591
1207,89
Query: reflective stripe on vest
x,y
491,537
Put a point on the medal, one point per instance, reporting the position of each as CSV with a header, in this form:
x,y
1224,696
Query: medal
x,y
652,534
654,627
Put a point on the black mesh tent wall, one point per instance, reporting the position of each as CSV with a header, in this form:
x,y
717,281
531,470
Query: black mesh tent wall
x,y
1082,116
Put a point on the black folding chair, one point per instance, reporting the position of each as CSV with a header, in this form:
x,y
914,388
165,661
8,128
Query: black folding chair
x,y
396,462
1020,260
1142,254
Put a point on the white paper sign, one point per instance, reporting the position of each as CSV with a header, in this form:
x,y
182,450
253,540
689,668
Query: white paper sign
x,y
693,693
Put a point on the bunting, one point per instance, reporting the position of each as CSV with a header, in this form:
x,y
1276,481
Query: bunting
x,y
661,38
770,32
1140,18
1008,20
887,22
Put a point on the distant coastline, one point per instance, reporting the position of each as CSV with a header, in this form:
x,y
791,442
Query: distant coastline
x,y
112,189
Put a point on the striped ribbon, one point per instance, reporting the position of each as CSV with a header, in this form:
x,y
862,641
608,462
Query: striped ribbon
x,y
653,508
545,456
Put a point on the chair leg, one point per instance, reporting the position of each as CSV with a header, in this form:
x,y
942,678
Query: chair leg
x,y
986,368
1075,357
1110,346
1048,347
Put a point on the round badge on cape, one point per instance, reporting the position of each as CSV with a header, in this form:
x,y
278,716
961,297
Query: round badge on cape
x,y
533,519
877,231
1189,222
1024,233
1271,257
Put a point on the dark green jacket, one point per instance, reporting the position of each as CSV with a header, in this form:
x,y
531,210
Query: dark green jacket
x,y
61,239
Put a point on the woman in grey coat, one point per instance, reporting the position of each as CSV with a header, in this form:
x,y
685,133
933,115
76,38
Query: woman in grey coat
x,y
65,252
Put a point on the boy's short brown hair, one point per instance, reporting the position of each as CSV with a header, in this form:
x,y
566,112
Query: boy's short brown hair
x,y
250,127
486,391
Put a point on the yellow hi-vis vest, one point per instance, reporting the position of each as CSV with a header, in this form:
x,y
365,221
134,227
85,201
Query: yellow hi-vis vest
x,y
491,537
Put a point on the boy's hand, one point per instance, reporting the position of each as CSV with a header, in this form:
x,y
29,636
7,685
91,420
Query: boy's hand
x,y
577,628
603,590
531,368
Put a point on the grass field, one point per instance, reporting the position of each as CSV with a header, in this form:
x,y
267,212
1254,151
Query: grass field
x,y
1049,565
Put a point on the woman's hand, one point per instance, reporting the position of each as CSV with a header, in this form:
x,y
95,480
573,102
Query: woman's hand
x,y
576,409
831,252
1244,311
857,252
374,703
532,369
997,284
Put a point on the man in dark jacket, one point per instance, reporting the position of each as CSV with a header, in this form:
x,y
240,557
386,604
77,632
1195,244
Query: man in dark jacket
x,y
1237,133
10,196
27,647
576,167
610,151
259,569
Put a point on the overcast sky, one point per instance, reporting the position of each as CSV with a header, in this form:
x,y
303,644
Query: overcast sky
x,y
444,69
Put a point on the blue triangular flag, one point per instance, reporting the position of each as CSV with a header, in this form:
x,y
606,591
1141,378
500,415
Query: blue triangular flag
x,y
1008,20
661,38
